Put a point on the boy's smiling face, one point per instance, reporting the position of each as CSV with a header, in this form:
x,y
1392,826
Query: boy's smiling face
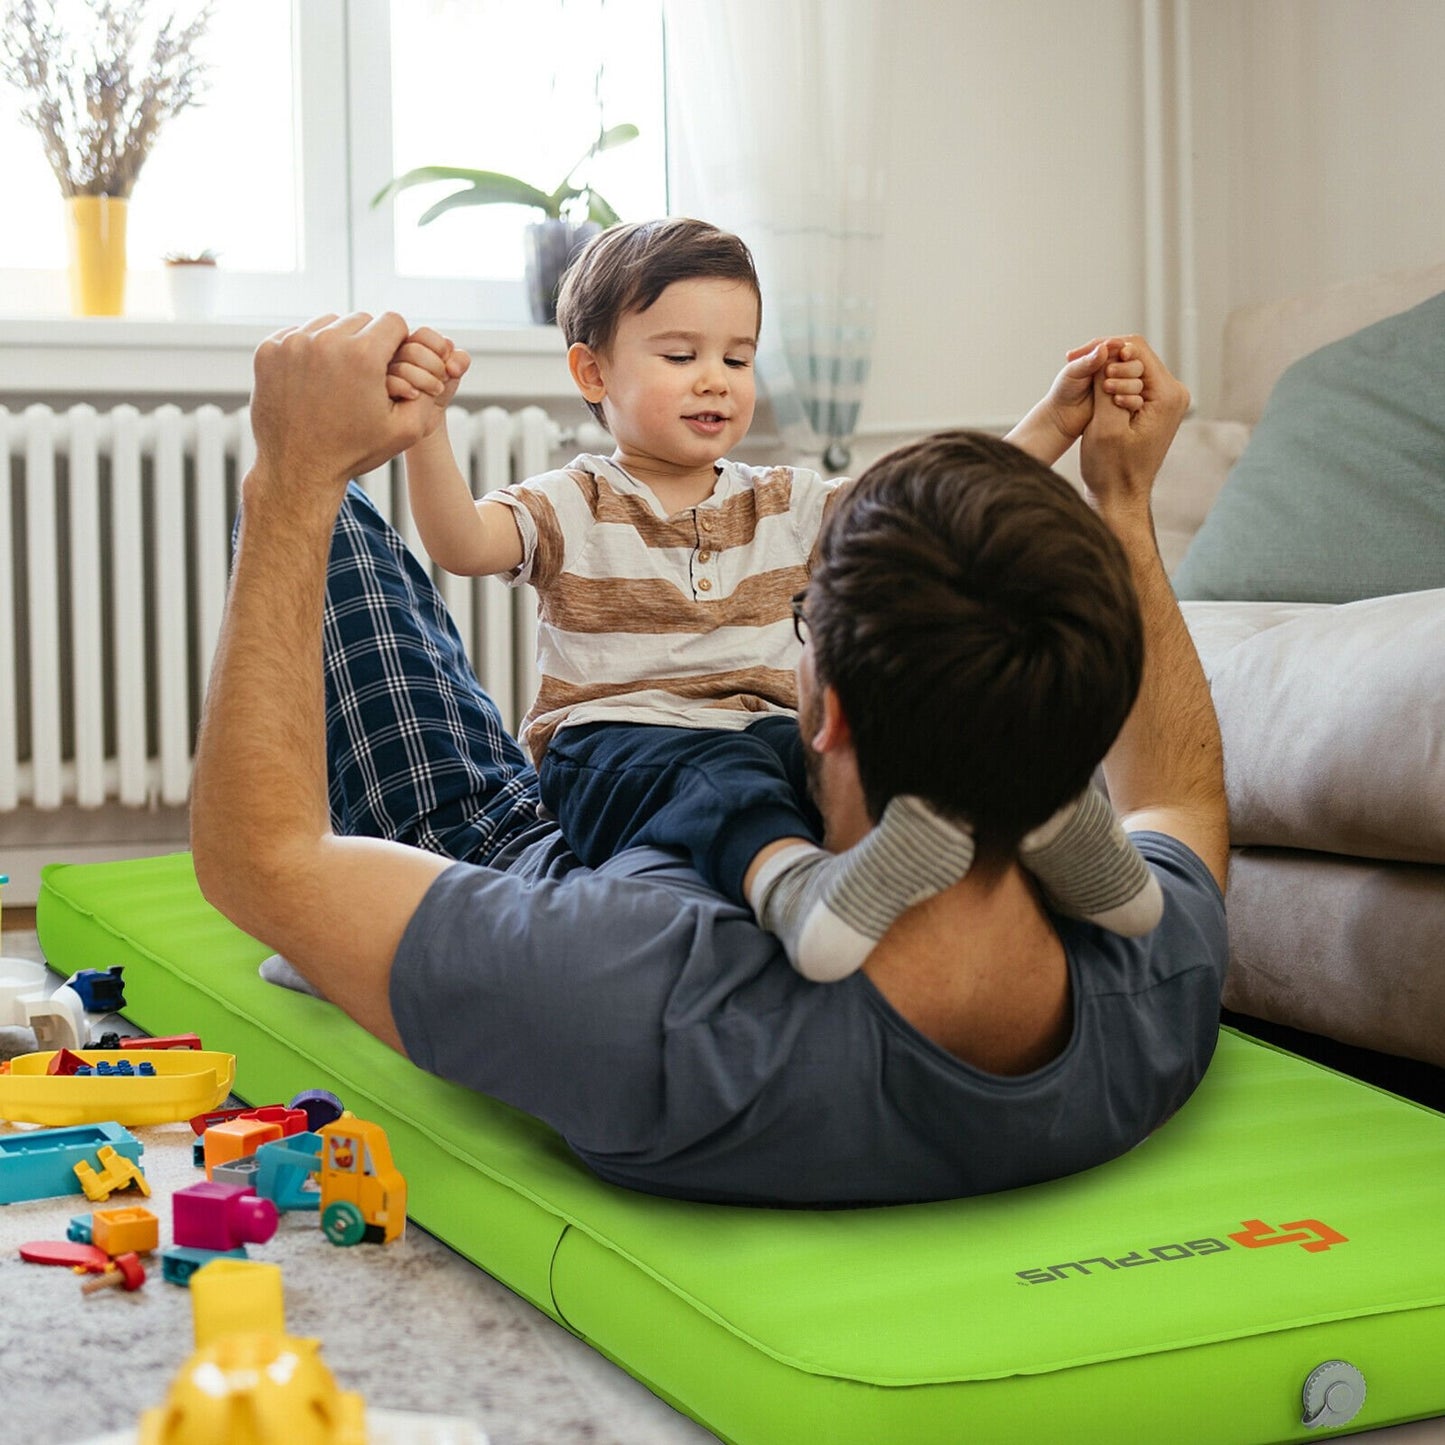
x,y
677,383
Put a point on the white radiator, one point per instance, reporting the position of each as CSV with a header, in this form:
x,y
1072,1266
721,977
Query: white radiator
x,y
114,552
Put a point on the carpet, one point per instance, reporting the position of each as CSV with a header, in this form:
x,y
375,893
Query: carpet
x,y
411,1326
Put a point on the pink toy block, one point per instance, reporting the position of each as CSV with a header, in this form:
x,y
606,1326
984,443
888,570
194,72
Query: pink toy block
x,y
220,1216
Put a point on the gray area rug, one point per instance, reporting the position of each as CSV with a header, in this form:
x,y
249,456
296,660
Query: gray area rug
x,y
411,1326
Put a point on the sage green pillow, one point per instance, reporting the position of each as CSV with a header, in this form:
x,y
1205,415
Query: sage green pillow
x,y
1340,493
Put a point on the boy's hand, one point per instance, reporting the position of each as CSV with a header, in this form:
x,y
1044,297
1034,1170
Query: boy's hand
x,y
427,364
1070,401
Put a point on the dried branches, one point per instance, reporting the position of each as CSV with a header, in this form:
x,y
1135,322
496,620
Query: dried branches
x,y
99,108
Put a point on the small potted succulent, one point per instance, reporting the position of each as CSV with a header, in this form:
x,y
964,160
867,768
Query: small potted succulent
x,y
572,213
192,279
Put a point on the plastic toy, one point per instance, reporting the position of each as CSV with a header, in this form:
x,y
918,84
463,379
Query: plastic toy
x,y
116,1172
286,1172
220,1216
74,1255
235,1138
101,991
131,1229
125,1272
249,1381
321,1106
180,1262
201,1122
66,1063
239,1297
185,1082
166,1041
41,1164
57,1017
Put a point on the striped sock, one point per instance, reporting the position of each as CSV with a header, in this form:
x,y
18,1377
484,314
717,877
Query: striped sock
x,y
829,909
1090,870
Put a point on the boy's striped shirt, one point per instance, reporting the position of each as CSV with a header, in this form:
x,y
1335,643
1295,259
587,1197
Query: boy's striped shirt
x,y
682,620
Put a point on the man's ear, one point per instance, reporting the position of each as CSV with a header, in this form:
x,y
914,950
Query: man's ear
x,y
831,731
586,371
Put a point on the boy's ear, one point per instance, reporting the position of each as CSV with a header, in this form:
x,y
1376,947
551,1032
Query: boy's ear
x,y
586,371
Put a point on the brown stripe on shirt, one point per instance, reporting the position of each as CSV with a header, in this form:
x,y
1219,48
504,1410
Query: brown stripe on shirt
x,y
656,605
745,689
628,509
551,550
735,522
834,497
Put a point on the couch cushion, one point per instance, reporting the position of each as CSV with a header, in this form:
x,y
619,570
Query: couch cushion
x,y
1344,947
1334,737
1340,493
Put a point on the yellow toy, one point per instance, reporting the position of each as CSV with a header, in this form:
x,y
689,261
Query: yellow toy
x,y
363,1194
127,1230
250,1383
162,1086
115,1172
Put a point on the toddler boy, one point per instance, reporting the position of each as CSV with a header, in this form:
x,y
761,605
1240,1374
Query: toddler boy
x,y
672,607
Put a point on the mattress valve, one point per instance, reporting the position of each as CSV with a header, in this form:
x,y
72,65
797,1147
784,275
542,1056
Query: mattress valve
x,y
1333,1395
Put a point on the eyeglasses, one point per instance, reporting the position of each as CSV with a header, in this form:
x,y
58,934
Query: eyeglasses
x,y
800,621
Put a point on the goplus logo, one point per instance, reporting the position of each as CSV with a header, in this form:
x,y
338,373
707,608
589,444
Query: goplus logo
x,y
1311,1235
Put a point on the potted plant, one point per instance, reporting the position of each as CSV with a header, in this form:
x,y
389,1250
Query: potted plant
x,y
572,213
191,278
99,106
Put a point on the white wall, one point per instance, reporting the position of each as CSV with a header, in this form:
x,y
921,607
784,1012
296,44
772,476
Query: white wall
x,y
1016,183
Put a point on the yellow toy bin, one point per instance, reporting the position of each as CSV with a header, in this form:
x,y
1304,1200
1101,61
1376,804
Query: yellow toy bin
x,y
186,1082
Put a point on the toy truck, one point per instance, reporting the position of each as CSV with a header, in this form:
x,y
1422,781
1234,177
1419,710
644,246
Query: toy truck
x,y
360,1193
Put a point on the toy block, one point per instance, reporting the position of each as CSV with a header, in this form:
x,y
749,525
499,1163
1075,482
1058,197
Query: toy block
x,y
100,991
67,1063
115,1173
180,1262
167,1041
220,1216
130,1229
237,1296
235,1138
41,1163
57,1020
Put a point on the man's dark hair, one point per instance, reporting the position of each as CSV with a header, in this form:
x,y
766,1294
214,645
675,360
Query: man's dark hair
x,y
981,629
628,267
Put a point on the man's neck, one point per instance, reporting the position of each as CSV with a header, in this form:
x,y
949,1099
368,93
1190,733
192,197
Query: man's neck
x,y
980,970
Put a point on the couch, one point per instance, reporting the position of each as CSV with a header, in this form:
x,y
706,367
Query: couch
x,y
1303,527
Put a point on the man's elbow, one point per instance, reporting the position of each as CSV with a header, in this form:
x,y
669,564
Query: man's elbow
x,y
245,882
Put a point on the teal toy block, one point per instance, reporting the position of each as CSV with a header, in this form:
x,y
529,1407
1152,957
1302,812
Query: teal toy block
x,y
40,1164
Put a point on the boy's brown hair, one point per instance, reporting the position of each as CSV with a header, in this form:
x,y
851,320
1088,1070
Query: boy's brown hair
x,y
980,626
627,267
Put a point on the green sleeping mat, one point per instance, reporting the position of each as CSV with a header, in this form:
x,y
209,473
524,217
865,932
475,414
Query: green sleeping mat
x,y
1286,1219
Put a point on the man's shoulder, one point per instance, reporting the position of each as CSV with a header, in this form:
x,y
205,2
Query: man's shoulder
x,y
1190,936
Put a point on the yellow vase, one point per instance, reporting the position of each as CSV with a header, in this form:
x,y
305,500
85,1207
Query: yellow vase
x,y
96,226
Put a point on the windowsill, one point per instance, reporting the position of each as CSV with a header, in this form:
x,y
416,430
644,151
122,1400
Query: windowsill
x,y
82,357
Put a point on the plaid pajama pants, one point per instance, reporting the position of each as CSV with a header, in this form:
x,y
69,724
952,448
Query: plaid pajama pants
x,y
416,750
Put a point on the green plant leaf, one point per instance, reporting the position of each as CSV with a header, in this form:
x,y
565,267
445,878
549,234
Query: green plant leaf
x,y
608,140
600,211
484,188
618,135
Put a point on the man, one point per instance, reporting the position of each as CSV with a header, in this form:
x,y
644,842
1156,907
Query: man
x,y
986,1043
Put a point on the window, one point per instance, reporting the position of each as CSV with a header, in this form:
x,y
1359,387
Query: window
x,y
313,105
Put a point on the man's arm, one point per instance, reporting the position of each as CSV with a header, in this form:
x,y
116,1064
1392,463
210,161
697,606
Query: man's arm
x,y
260,834
1166,769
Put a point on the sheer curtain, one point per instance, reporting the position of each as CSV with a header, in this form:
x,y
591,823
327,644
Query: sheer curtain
x,y
776,131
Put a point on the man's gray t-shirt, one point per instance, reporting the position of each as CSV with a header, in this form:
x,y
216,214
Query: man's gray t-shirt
x,y
669,1042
